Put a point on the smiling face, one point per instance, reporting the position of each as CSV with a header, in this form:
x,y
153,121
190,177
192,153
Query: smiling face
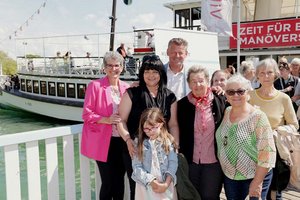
x,y
236,94
198,83
219,79
151,78
177,54
113,68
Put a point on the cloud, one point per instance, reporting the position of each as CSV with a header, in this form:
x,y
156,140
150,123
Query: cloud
x,y
146,19
90,17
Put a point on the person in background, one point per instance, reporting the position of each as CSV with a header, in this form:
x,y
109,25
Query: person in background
x,y
151,92
176,73
286,82
295,67
121,50
219,78
58,54
246,148
88,55
100,138
279,110
248,71
155,163
230,70
199,115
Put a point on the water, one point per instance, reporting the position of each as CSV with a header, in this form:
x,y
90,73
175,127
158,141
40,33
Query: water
x,y
16,121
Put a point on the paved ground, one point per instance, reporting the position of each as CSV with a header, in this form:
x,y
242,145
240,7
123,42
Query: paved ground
x,y
287,195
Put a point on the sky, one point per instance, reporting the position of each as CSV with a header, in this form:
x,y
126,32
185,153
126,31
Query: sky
x,y
74,18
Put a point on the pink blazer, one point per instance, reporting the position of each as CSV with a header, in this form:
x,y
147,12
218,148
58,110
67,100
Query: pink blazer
x,y
95,138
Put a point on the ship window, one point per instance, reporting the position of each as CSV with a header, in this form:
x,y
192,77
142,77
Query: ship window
x,y
182,18
71,90
22,84
29,85
51,88
43,87
36,87
81,90
61,90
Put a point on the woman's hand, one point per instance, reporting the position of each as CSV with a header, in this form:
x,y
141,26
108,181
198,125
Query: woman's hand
x,y
255,189
114,119
131,148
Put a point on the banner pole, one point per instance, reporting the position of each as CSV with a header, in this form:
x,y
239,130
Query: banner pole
x,y
238,35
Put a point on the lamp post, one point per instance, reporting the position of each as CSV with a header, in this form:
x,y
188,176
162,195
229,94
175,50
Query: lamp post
x,y
113,22
25,44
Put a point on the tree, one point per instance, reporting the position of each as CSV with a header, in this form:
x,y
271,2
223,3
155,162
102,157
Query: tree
x,y
9,65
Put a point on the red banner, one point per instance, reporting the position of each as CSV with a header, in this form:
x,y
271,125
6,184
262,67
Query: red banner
x,y
263,34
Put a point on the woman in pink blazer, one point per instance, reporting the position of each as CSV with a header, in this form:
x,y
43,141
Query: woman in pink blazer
x,y
100,138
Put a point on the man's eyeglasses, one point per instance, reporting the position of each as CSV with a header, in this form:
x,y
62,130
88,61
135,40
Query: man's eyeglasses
x,y
239,92
150,57
154,128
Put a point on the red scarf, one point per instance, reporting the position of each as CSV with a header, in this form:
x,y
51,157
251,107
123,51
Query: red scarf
x,y
200,104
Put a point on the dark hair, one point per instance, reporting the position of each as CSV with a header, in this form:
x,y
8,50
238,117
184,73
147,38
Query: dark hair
x,y
284,65
153,62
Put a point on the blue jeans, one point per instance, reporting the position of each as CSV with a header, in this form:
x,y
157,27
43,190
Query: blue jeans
x,y
236,190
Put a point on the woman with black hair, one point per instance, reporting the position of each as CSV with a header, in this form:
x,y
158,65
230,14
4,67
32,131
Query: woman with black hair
x,y
151,92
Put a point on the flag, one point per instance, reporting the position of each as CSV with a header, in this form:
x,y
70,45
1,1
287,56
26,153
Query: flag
x,y
216,16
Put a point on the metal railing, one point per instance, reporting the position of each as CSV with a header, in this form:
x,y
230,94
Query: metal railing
x,y
53,165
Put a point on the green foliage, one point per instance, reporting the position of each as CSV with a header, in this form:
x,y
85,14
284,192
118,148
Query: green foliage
x,y
9,65
32,56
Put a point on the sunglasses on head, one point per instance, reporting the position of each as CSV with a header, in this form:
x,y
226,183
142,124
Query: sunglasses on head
x,y
239,92
283,64
150,57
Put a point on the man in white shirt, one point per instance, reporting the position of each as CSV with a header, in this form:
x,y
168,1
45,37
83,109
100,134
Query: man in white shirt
x,y
177,52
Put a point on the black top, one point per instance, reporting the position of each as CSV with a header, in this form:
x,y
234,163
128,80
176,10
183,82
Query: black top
x,y
141,99
280,84
186,117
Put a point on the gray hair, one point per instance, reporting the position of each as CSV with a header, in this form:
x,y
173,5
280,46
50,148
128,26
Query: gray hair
x,y
113,55
178,42
198,69
296,61
239,79
268,62
245,66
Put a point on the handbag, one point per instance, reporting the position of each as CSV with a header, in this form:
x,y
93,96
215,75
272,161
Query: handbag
x,y
185,188
288,145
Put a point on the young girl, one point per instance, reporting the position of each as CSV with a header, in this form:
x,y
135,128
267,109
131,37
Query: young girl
x,y
155,164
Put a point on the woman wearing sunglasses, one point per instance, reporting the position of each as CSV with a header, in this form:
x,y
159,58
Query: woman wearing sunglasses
x,y
151,92
279,110
199,115
246,148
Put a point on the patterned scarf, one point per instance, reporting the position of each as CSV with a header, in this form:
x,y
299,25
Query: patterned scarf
x,y
201,103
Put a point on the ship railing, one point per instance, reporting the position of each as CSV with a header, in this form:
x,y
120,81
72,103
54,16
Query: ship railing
x,y
54,65
47,164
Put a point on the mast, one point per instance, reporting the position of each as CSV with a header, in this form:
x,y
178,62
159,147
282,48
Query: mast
x,y
238,35
112,29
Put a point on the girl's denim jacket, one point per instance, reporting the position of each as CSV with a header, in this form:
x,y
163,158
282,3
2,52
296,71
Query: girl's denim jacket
x,y
168,163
